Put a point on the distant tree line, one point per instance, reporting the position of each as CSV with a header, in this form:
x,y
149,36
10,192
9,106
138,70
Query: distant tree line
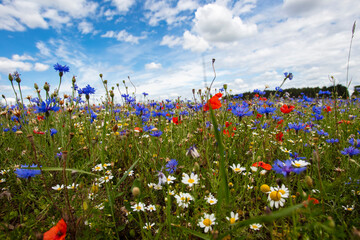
x,y
308,91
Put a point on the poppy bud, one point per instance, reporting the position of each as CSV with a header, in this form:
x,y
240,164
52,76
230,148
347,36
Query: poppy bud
x,y
100,75
308,181
135,191
225,86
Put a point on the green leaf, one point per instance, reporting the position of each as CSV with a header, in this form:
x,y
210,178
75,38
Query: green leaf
x,y
61,169
193,232
262,219
126,174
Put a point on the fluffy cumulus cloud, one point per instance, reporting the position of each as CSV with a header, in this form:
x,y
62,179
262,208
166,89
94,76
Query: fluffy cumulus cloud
x,y
123,5
18,15
216,23
171,41
85,27
40,67
194,43
123,36
9,65
158,11
153,65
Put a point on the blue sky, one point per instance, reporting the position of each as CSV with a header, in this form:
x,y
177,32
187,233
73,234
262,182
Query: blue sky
x,y
166,46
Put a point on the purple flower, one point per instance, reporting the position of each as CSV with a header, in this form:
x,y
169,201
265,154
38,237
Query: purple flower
x,y
61,68
351,151
27,173
171,166
156,133
285,168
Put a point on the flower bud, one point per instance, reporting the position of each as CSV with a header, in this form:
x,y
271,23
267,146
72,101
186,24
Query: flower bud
x,y
46,87
36,86
11,77
135,191
100,75
73,79
308,181
225,86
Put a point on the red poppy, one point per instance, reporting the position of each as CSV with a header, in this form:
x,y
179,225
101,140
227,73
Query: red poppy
x,y
227,124
258,116
287,109
137,129
214,102
279,136
40,118
57,232
311,200
262,165
38,132
327,109
176,120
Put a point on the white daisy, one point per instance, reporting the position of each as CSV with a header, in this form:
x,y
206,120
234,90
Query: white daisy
x,y
283,190
58,187
72,186
183,199
138,207
151,208
348,208
151,185
300,163
148,226
190,180
275,198
157,187
233,217
170,179
97,168
237,168
207,221
255,226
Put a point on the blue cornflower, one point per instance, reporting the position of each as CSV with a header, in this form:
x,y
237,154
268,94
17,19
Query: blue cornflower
x,y
145,94
171,166
295,156
45,107
61,68
296,126
53,131
353,142
332,140
156,133
241,111
87,90
266,110
288,75
27,173
322,133
351,151
285,168
278,89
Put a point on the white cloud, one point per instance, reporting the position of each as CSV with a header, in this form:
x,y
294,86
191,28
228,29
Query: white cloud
x,y
40,67
194,43
17,15
123,5
152,65
44,50
24,57
171,41
216,23
163,11
85,27
123,36
8,66
296,7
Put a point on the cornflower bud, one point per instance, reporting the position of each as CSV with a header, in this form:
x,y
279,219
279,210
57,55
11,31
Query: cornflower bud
x,y
36,86
46,87
11,77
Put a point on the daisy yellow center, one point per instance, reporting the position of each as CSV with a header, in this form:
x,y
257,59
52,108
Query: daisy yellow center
x,y
182,199
138,208
282,191
211,201
191,180
275,196
237,169
232,220
106,178
255,227
59,188
169,179
207,222
297,164
349,209
265,188
148,227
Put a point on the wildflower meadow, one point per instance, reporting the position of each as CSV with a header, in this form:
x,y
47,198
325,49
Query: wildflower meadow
x,y
218,166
